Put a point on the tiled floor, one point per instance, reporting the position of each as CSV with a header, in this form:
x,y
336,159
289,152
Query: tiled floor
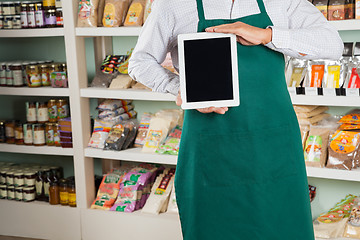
x,y
16,238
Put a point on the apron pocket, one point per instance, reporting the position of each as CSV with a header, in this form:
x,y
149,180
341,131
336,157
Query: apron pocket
x,y
248,157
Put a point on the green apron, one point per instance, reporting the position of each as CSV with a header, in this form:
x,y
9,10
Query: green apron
x,y
242,175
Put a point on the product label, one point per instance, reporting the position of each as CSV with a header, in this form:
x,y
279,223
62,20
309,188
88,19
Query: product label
x,y
3,193
59,21
296,77
18,196
333,79
31,19
39,137
19,135
2,77
72,198
134,12
56,138
30,113
39,18
29,182
53,112
18,78
109,15
344,141
357,9
9,180
354,81
50,137
9,78
42,115
313,148
24,19
317,75
84,9
64,198
153,138
63,112
29,197
45,79
39,188
9,131
28,136
51,20
11,195
46,188
19,182
34,80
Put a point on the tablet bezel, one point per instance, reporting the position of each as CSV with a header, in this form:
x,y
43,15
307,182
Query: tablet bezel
x,y
234,61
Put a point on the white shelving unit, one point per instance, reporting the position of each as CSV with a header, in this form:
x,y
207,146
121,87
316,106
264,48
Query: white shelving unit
x,y
41,91
41,220
42,150
25,33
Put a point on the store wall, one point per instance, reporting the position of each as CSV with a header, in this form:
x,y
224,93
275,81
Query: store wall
x,y
329,191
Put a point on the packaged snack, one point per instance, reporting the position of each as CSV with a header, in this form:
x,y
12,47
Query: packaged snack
x,y
296,72
173,208
160,192
350,9
322,5
122,117
352,227
313,120
174,115
123,67
304,130
171,143
59,80
316,111
304,108
138,85
102,80
143,130
353,79
135,15
158,130
116,112
100,133
343,149
111,104
349,126
316,146
111,63
108,191
131,126
116,138
333,75
88,13
115,12
336,10
317,74
147,9
121,82
100,12
352,117
357,9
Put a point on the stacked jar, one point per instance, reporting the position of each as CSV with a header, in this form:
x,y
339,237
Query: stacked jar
x,y
10,15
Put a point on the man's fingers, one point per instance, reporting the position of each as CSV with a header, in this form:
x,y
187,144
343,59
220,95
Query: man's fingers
x,y
218,110
178,100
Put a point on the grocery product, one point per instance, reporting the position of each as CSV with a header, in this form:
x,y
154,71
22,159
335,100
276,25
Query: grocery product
x,y
111,105
100,12
172,142
116,137
349,126
296,72
88,13
121,82
353,79
336,10
318,110
116,112
343,149
135,15
147,9
313,120
350,9
59,79
352,117
317,74
131,127
108,191
352,227
357,9
322,5
315,151
100,133
123,67
143,130
334,75
121,117
115,12
158,130
172,207
304,108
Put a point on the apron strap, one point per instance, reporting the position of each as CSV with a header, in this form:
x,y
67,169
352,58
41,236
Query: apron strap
x,y
201,14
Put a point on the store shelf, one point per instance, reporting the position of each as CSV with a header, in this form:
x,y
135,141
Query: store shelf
x,y
39,220
108,31
99,224
133,154
40,32
346,25
43,150
325,100
353,175
126,94
41,91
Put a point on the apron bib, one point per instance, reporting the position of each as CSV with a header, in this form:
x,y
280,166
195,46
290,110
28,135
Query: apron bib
x,y
241,175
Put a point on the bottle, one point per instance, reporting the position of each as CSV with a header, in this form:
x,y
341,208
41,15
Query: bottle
x,y
10,132
62,108
31,15
2,132
45,76
39,186
19,134
47,182
33,76
72,194
28,134
49,131
42,112
64,195
39,15
39,135
54,195
30,112
56,128
52,108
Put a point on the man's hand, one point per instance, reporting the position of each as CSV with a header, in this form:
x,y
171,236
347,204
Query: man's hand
x,y
219,110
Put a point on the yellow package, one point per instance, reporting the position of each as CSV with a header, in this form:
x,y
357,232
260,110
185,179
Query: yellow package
x,y
353,117
297,76
333,76
135,15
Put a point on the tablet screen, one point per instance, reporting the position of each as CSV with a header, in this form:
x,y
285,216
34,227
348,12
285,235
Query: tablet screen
x,y
208,69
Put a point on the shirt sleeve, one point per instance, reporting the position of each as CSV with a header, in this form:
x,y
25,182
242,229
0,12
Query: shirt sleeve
x,y
151,49
308,33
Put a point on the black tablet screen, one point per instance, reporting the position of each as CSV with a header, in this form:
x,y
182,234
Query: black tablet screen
x,y
208,69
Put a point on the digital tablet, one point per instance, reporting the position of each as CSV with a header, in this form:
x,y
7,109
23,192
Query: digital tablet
x,y
208,70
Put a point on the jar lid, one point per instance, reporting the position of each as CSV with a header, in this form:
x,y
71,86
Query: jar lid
x,y
10,172
33,62
18,173
49,124
8,3
1,16
17,16
44,66
19,188
32,66
10,187
59,9
16,64
29,188
40,62
52,100
30,173
10,16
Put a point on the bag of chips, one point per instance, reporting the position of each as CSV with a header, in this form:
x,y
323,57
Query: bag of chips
x,y
143,130
172,142
352,117
115,12
88,13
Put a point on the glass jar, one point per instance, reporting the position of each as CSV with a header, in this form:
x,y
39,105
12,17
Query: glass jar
x,y
3,175
62,108
8,8
39,186
31,15
10,192
24,65
47,182
3,191
30,112
42,114
16,22
29,179
10,178
33,76
23,14
72,194
16,69
58,4
53,112
2,132
63,67
3,74
45,76
54,67
54,195
50,18
49,130
8,22
9,76
59,17
17,7
18,193
1,9
57,173
39,134
10,131
48,3
39,15
64,195
29,194
56,128
28,134
19,134
19,179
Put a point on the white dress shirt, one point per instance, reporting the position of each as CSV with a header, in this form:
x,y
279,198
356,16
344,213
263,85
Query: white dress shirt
x,y
298,27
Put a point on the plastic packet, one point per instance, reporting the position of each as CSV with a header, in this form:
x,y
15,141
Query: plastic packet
x,y
296,72
304,130
116,137
349,126
122,117
100,12
115,12
316,111
353,76
173,208
116,112
171,143
160,192
88,13
352,117
158,130
102,80
111,104
123,67
135,15
111,63
147,9
313,120
108,191
315,74
100,133
343,149
131,126
334,74
304,108
143,130
121,81
315,151
352,227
